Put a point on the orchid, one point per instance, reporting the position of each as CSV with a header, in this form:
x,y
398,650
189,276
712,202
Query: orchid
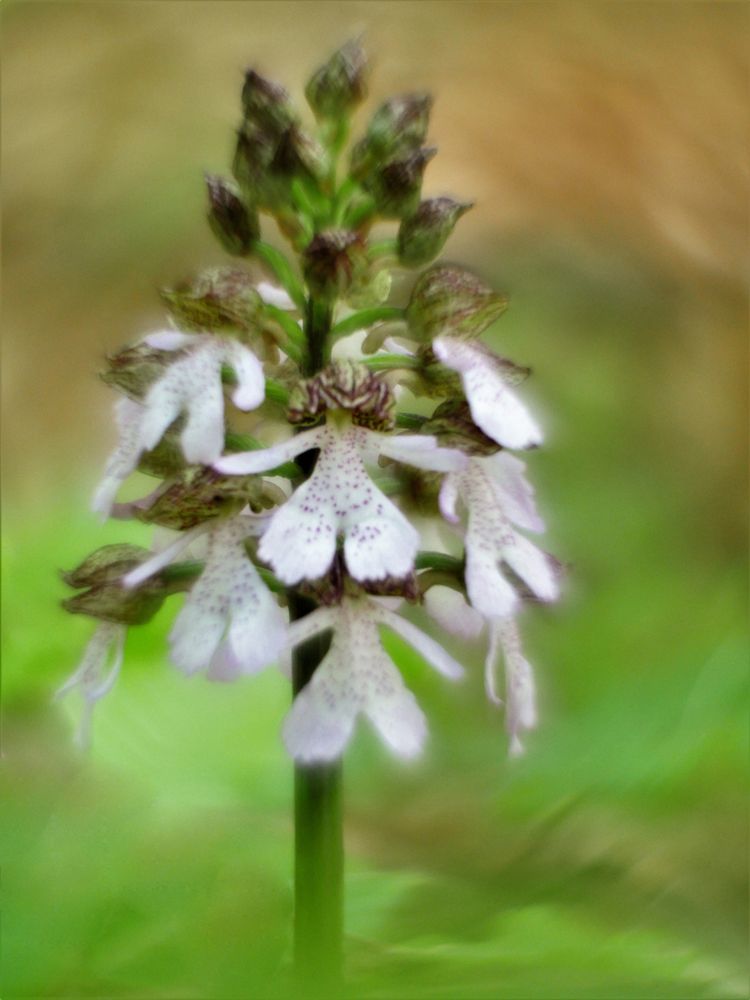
x,y
294,527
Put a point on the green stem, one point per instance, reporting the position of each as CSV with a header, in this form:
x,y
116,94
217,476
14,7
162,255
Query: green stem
x,y
318,847
283,271
367,317
387,362
318,819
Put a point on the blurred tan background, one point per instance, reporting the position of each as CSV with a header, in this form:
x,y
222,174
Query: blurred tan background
x,y
604,143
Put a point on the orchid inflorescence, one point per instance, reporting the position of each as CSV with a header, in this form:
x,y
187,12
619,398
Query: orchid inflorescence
x,y
327,508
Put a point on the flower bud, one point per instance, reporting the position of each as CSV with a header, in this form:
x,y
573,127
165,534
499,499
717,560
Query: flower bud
x,y
396,185
398,126
344,385
216,300
253,154
232,224
338,86
105,597
297,155
266,103
133,369
423,235
199,494
332,261
452,425
451,300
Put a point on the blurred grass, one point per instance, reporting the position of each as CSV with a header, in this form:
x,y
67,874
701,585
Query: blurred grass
x,y
612,860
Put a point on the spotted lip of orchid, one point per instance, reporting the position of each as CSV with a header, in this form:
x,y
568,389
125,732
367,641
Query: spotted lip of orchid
x,y
494,408
340,498
497,495
357,677
191,384
230,623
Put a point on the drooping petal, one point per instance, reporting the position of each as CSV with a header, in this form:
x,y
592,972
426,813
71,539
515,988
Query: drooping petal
x,y
274,296
170,340
229,599
203,436
533,566
432,651
251,383
316,622
448,498
422,451
520,693
124,458
448,607
93,677
514,492
247,462
162,406
488,590
494,408
163,558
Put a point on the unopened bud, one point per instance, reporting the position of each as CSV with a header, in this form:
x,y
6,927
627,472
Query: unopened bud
x,y
423,235
451,300
216,300
134,369
266,103
200,494
344,385
340,84
253,154
398,126
231,222
105,597
297,155
395,186
332,262
452,425
105,565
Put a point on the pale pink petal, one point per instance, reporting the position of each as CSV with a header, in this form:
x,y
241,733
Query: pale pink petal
x,y
533,566
380,546
300,541
488,590
251,383
274,296
246,462
422,451
432,651
514,492
448,498
170,340
202,439
494,408
161,559
448,607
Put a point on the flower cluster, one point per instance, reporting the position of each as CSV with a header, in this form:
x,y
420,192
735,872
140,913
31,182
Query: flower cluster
x,y
308,515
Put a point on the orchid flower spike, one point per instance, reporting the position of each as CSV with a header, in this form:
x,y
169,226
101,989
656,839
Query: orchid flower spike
x,y
367,425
